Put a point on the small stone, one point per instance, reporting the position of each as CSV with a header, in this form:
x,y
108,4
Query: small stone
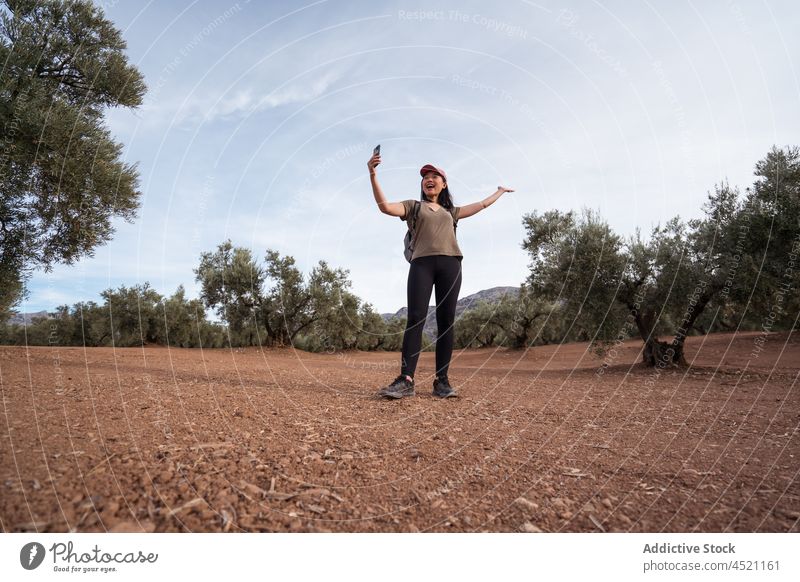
x,y
607,503
253,490
523,503
205,514
528,527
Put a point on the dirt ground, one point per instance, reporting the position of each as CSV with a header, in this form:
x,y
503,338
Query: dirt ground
x,y
548,439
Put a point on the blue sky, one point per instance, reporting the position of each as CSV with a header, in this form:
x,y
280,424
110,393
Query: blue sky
x,y
260,118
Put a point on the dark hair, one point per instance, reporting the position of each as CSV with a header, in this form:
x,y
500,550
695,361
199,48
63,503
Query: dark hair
x,y
445,198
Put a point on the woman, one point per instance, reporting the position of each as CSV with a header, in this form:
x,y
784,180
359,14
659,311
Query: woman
x,y
436,262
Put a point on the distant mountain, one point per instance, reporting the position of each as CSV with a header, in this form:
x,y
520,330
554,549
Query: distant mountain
x,y
468,302
26,318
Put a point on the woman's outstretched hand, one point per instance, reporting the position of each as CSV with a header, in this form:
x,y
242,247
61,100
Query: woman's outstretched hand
x,y
373,161
503,189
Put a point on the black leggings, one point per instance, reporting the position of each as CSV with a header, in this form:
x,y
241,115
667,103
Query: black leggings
x,y
445,273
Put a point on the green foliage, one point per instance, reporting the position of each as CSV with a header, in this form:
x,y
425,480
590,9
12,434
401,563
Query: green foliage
x,y
475,328
577,264
339,322
286,306
771,211
518,320
725,271
276,305
62,176
129,316
373,333
390,334
270,305
184,324
11,287
232,284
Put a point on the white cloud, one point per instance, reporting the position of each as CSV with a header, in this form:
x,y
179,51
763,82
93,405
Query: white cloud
x,y
233,104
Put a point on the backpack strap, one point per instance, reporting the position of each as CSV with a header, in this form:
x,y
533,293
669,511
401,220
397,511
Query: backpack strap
x,y
413,223
412,220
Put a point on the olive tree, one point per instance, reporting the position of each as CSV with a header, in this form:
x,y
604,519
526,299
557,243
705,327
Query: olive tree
x,y
62,175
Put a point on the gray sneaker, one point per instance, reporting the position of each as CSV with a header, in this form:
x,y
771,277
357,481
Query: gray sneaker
x,y
442,388
400,388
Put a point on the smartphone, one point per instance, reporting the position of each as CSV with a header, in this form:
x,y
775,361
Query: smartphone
x,y
377,150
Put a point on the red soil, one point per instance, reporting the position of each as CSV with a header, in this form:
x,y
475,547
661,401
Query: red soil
x,y
159,439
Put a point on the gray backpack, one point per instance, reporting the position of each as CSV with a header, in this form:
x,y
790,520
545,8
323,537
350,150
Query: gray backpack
x,y
408,241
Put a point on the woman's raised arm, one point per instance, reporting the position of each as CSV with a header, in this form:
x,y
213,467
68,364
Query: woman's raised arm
x,y
476,207
390,208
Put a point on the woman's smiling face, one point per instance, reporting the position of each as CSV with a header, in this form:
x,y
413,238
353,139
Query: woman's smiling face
x,y
432,185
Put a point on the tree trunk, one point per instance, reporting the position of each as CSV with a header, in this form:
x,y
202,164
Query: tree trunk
x,y
657,353
663,354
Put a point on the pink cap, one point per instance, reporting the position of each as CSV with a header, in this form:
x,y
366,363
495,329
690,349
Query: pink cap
x,y
429,168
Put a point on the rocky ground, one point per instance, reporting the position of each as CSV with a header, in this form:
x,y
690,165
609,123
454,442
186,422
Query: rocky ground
x,y
159,439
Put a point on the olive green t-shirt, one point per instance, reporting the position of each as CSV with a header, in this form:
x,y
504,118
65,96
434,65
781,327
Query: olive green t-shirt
x,y
434,232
